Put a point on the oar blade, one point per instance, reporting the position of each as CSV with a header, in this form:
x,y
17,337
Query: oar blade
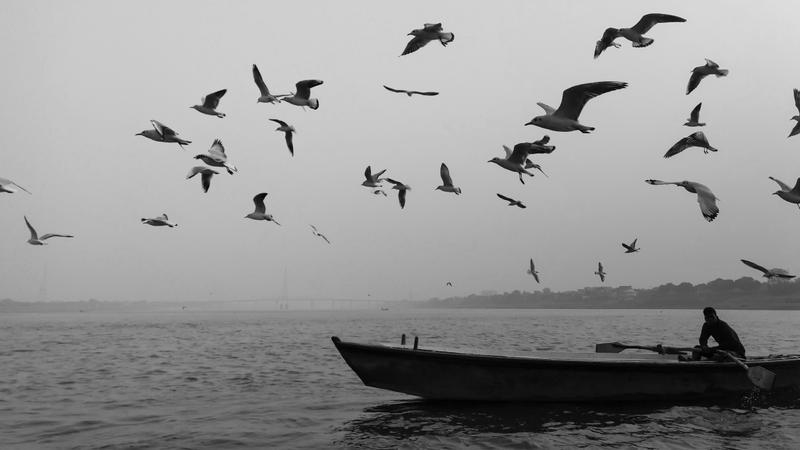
x,y
761,377
609,347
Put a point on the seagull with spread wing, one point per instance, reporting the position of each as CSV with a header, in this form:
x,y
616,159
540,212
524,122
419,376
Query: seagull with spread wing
x,y
694,117
565,118
318,234
260,212
265,96
303,95
410,93
700,72
216,157
373,180
532,271
631,248
600,273
402,188
696,139
288,131
163,133
705,198
36,240
512,202
634,33
210,103
160,221
516,160
447,182
429,32
796,118
768,274
9,186
790,195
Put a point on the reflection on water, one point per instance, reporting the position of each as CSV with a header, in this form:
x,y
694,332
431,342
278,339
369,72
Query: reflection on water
x,y
423,424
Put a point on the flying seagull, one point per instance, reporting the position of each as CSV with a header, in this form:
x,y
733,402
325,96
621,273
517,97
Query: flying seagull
x,y
422,36
373,181
288,130
402,188
565,118
512,202
532,271
528,163
449,283
768,274
631,248
783,186
303,95
163,133
216,157
790,195
265,97
260,212
796,128
700,72
205,175
696,139
8,186
317,233
706,198
600,272
634,33
516,160
36,240
447,182
694,117
410,93
160,221
210,103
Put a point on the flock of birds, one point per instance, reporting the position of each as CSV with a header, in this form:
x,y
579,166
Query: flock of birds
x,y
565,118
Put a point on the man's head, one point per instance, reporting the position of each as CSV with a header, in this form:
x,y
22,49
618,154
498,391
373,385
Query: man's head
x,y
710,314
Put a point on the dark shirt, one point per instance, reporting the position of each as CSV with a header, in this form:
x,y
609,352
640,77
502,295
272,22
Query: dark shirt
x,y
724,335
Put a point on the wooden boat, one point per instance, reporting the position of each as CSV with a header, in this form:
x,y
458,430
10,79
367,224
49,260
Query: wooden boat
x,y
556,377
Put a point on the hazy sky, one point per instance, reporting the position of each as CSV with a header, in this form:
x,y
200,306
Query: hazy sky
x,y
82,78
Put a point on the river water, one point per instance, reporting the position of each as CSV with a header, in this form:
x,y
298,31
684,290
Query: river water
x,y
273,379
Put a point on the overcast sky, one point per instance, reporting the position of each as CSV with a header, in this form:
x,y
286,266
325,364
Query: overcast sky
x,y
82,78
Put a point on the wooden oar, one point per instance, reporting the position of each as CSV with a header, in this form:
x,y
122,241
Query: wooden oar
x,y
759,376
616,347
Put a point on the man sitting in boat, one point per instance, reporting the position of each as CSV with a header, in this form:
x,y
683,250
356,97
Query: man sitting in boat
x,y
727,339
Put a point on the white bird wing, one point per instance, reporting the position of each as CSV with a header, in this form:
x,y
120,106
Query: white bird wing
x,y
260,81
217,151
574,99
508,151
34,236
444,172
711,64
707,201
547,108
163,130
258,200
194,171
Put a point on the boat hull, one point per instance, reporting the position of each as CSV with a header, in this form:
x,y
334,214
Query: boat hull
x,y
448,375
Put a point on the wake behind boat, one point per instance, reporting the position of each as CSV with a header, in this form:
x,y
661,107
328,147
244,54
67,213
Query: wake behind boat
x,y
439,374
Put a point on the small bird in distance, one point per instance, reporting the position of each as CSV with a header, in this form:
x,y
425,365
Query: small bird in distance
x,y
768,274
288,131
410,93
318,234
512,202
532,271
631,248
427,33
36,240
210,103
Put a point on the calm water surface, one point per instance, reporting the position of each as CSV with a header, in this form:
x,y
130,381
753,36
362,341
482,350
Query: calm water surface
x,y
272,379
